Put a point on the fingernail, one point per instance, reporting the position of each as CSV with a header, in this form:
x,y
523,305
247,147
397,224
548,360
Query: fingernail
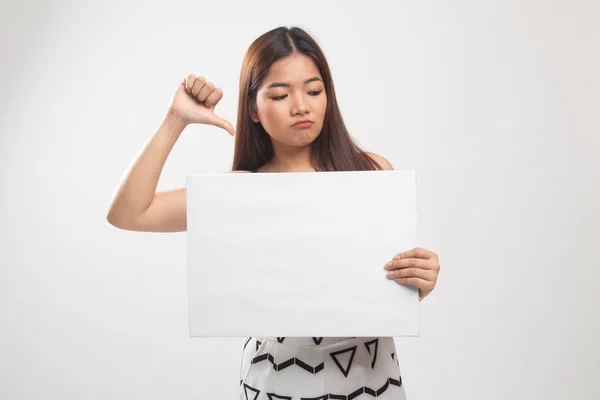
x,y
389,264
390,274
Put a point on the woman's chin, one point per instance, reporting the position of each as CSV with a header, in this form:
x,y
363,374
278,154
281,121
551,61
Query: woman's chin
x,y
301,139
296,137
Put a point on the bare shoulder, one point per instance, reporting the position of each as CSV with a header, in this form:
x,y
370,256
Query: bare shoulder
x,y
382,161
239,172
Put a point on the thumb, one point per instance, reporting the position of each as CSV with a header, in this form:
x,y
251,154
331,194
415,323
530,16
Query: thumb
x,y
221,123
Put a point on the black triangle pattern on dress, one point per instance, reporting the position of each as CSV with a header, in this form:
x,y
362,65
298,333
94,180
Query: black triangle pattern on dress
x,y
280,339
359,391
247,341
255,391
335,354
317,340
374,352
371,347
273,396
287,363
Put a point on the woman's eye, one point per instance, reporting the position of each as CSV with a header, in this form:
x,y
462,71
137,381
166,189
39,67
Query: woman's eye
x,y
313,93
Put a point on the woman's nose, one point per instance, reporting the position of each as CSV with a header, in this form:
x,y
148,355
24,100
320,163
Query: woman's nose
x,y
299,105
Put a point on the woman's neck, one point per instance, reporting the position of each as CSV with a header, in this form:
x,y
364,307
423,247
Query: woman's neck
x,y
290,159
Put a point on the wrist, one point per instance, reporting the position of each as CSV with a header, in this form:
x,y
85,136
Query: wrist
x,y
176,121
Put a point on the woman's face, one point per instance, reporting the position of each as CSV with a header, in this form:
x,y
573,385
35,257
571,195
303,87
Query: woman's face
x,y
293,91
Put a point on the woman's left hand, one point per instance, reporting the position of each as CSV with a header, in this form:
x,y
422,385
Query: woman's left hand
x,y
417,267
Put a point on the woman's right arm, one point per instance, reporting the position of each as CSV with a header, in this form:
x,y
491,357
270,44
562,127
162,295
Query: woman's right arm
x,y
135,205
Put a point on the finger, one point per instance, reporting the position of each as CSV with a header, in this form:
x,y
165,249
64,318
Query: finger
x,y
198,85
206,90
422,284
189,82
415,253
409,263
221,123
214,98
412,273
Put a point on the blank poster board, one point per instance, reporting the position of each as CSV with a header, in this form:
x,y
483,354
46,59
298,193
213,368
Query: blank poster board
x,y
300,254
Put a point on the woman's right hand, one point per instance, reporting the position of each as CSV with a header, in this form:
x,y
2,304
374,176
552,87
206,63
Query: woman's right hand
x,y
195,101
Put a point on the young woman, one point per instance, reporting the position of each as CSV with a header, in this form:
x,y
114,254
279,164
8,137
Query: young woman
x,y
288,121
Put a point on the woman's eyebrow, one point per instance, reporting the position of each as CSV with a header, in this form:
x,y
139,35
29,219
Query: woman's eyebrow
x,y
284,84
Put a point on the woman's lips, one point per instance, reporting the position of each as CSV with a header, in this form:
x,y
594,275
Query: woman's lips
x,y
303,125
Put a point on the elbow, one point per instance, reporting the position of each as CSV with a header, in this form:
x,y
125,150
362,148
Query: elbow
x,y
110,218
116,221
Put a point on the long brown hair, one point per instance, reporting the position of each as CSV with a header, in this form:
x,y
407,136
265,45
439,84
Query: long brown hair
x,y
333,150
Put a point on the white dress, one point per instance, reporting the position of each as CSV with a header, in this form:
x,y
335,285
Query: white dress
x,y
320,368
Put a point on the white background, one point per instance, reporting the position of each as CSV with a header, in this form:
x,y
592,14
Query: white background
x,y
495,104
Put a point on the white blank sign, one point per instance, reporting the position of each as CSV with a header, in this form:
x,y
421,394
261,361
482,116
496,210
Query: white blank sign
x,y
300,254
